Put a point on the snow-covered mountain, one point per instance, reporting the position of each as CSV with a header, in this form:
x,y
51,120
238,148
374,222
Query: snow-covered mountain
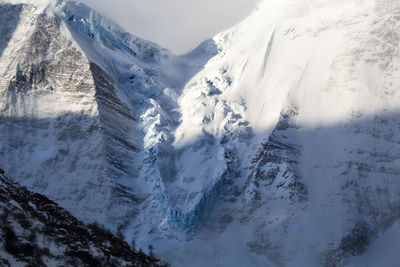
x,y
274,143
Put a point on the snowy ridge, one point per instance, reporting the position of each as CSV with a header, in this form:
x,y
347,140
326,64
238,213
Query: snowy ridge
x,y
91,24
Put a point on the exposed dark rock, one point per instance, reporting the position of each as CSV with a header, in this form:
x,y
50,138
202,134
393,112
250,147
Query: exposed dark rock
x,y
356,242
276,161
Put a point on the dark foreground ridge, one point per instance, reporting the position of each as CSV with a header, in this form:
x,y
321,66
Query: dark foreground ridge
x,y
37,232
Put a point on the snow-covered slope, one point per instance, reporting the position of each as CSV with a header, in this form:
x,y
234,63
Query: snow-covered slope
x,y
276,142
317,81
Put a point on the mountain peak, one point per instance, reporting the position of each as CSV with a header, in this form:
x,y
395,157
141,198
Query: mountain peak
x,y
279,131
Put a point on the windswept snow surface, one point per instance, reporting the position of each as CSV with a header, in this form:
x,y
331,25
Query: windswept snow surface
x,y
274,143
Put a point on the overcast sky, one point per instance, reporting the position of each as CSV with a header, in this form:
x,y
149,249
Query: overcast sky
x,y
179,25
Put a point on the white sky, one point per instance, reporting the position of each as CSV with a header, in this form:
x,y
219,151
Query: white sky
x,y
179,25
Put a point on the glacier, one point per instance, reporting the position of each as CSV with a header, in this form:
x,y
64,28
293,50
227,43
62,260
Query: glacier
x,y
273,143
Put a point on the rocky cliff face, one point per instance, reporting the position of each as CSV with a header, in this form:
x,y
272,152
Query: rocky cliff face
x,y
278,137
61,113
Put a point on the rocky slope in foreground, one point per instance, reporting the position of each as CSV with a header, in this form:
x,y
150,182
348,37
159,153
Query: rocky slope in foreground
x,y
35,231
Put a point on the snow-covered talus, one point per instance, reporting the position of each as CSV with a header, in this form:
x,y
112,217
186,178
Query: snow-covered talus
x,y
274,143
